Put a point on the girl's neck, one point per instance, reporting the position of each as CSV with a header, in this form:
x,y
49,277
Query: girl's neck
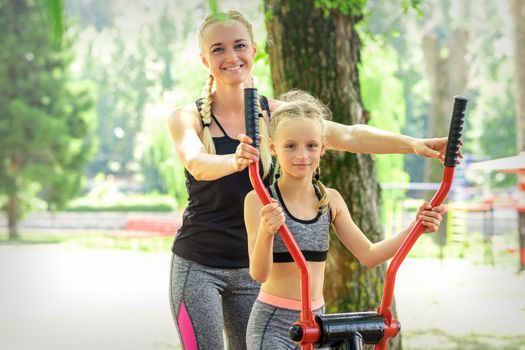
x,y
228,100
294,188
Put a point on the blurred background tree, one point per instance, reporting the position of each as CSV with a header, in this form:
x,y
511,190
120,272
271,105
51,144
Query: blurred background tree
x,y
55,12
484,66
430,43
45,130
123,87
518,21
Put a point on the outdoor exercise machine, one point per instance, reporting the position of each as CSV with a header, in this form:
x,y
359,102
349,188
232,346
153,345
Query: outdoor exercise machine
x,y
350,331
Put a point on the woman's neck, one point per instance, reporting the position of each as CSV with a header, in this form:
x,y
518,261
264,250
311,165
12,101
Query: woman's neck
x,y
228,100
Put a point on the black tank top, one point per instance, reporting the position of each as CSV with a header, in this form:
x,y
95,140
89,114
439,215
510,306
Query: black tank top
x,y
213,231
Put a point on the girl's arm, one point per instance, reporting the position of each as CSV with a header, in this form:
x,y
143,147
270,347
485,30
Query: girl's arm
x,y
361,138
262,223
184,125
368,253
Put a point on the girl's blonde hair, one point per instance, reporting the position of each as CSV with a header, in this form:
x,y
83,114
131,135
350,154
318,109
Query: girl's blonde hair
x,y
207,97
300,104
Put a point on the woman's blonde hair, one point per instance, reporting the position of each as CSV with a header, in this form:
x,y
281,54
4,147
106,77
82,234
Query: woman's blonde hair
x,y
207,97
300,104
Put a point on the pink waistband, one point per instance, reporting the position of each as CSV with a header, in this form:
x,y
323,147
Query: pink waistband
x,y
287,303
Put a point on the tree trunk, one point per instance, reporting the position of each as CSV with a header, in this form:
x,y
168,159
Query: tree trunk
x,y
448,77
13,205
437,72
518,19
320,54
13,215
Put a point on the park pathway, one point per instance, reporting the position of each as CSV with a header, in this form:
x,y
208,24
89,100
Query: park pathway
x,y
62,297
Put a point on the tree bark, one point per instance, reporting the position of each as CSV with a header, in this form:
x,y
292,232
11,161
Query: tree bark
x,y
12,207
448,77
436,71
13,215
320,54
518,19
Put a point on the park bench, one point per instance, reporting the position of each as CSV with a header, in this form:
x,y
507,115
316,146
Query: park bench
x,y
149,227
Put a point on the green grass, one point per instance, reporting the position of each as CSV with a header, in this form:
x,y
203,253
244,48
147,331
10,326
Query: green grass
x,y
437,339
142,203
94,241
122,207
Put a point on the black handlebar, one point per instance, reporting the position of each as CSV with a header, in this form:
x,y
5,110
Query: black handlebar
x,y
456,131
251,115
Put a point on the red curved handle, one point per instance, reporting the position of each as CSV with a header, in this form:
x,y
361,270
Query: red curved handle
x,y
385,310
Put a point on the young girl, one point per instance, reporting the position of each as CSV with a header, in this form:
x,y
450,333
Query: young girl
x,y
308,209
211,289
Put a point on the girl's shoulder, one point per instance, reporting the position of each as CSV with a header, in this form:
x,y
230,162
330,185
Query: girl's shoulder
x,y
252,200
337,203
331,191
334,197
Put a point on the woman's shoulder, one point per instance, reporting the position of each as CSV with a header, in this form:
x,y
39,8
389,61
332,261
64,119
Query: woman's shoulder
x,y
185,110
185,114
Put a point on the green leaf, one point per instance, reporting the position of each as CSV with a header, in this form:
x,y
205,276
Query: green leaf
x,y
213,5
55,11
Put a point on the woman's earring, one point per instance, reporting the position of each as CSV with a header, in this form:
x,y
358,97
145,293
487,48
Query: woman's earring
x,y
317,174
278,172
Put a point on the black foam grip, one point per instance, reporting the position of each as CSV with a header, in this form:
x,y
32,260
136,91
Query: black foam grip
x,y
251,115
369,325
456,130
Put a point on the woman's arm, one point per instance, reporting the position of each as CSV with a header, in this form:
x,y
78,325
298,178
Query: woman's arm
x,y
262,223
184,124
368,253
362,138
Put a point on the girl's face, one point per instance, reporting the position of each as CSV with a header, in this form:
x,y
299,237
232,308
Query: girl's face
x,y
228,52
298,144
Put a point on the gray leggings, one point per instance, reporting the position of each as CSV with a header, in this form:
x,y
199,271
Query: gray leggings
x,y
268,327
207,300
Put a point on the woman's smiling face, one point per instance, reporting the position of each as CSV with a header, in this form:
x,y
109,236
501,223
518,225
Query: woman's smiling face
x,y
227,50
